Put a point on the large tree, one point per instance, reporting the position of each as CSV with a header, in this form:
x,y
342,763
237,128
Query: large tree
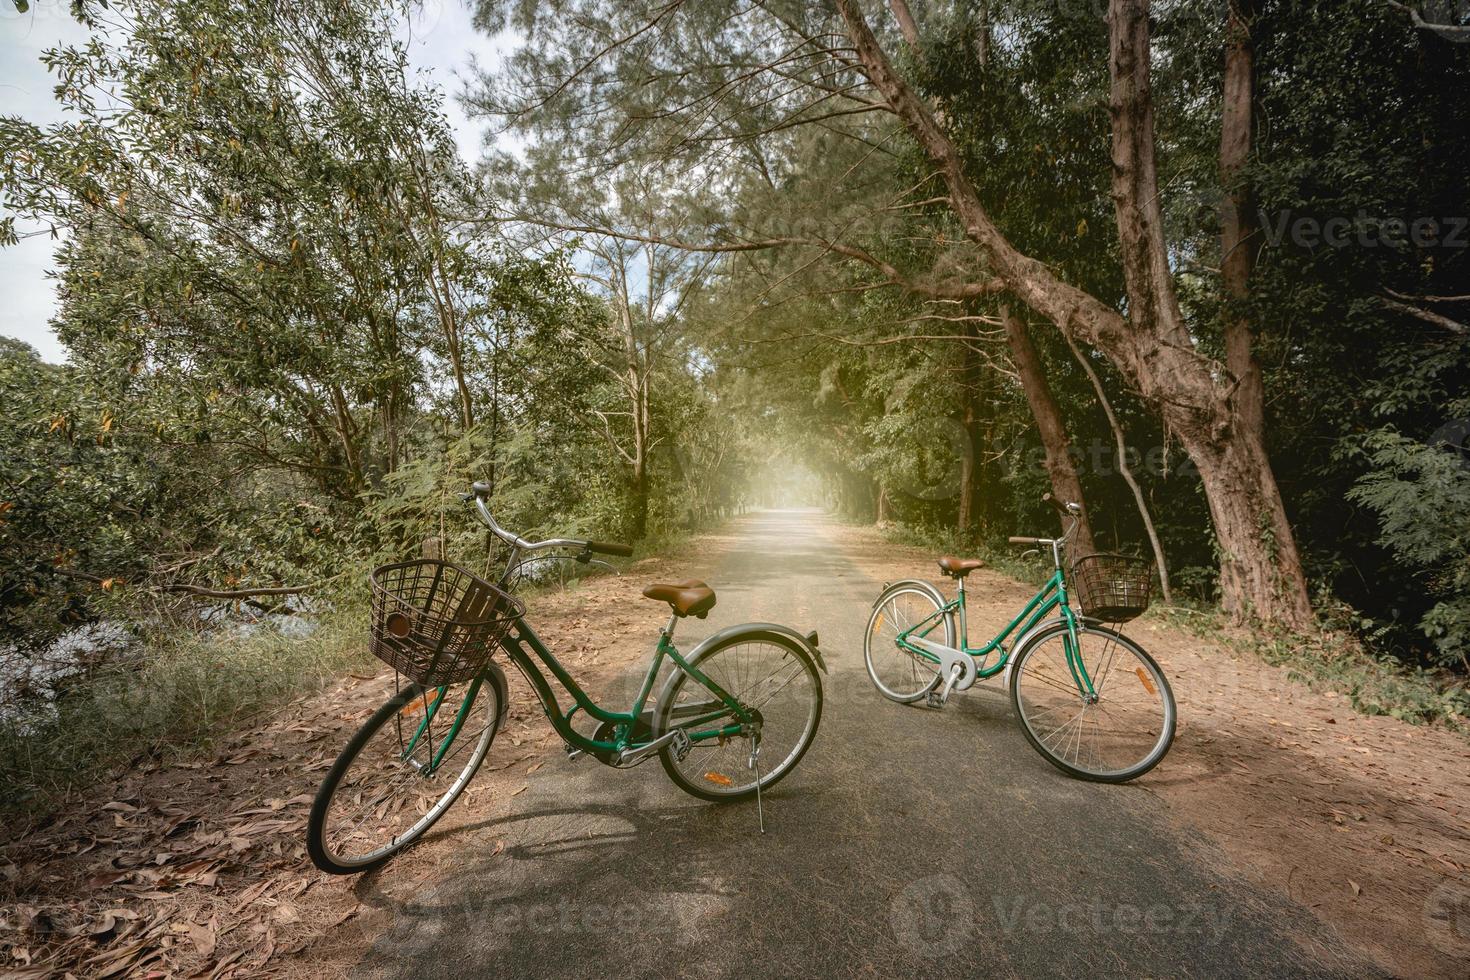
x,y
732,77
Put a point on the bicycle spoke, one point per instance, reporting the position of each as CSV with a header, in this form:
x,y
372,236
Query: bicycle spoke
x,y
762,676
899,673
1110,733
387,795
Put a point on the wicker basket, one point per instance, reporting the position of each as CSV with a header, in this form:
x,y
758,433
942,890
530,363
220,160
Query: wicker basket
x,y
1112,588
436,623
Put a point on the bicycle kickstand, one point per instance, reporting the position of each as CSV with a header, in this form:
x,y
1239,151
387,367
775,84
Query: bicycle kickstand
x,y
755,753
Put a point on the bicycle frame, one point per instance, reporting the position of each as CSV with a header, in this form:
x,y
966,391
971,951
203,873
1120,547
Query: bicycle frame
x,y
521,637
530,655
1052,595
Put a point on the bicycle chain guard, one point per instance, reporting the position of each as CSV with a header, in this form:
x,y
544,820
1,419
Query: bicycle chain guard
x,y
949,659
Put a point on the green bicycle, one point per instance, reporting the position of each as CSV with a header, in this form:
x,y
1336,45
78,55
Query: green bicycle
x,y
734,717
1089,699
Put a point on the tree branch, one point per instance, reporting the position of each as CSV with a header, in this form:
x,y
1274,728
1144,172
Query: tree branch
x,y
1453,326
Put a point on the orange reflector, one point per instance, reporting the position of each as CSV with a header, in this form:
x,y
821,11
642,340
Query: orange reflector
x,y
718,779
878,623
417,705
1148,685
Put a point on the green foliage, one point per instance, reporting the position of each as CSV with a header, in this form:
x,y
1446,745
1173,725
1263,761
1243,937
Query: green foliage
x,y
294,339
1421,495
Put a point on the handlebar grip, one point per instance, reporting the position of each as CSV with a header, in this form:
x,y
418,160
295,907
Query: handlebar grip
x,y
603,548
1068,509
1027,540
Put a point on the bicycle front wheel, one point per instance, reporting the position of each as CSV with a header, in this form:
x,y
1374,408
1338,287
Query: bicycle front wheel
x,y
899,674
402,770
1120,731
769,674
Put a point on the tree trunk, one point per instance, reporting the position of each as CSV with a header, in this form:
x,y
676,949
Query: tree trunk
x,y
1066,485
965,512
1260,570
347,437
1256,518
1238,230
640,502
970,463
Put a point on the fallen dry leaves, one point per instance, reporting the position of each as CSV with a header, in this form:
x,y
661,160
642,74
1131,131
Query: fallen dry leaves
x,y
197,868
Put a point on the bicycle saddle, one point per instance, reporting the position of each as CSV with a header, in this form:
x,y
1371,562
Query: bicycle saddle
x,y
959,567
691,598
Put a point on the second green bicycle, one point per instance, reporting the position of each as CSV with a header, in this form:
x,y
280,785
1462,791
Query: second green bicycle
x,y
1089,699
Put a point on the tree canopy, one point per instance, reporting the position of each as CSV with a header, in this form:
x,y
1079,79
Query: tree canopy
x,y
1193,264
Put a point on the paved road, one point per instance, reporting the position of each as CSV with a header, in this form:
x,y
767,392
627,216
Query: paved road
x,y
909,842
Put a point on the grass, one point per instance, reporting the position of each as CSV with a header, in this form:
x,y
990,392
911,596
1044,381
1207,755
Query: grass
x,y
183,691
1374,681
180,691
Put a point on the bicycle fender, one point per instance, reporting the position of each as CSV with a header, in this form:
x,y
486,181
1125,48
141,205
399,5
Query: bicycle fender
x,y
757,631
495,677
913,583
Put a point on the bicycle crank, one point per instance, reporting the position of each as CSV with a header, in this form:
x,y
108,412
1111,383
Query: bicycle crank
x,y
938,699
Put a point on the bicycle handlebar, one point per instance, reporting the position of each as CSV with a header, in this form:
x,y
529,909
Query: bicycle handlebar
x,y
1068,510
478,493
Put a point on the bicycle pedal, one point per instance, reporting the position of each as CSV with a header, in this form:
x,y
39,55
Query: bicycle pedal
x,y
681,744
936,700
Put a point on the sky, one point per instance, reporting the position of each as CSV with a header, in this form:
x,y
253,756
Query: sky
x,y
441,44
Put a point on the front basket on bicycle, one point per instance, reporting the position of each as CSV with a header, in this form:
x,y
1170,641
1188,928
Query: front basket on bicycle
x,y
1112,588
437,623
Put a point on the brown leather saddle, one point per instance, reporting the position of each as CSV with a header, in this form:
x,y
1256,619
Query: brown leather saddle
x,y
689,598
959,567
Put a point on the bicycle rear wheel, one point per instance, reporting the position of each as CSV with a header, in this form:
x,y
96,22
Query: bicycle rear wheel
x,y
1117,735
402,770
766,672
898,674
